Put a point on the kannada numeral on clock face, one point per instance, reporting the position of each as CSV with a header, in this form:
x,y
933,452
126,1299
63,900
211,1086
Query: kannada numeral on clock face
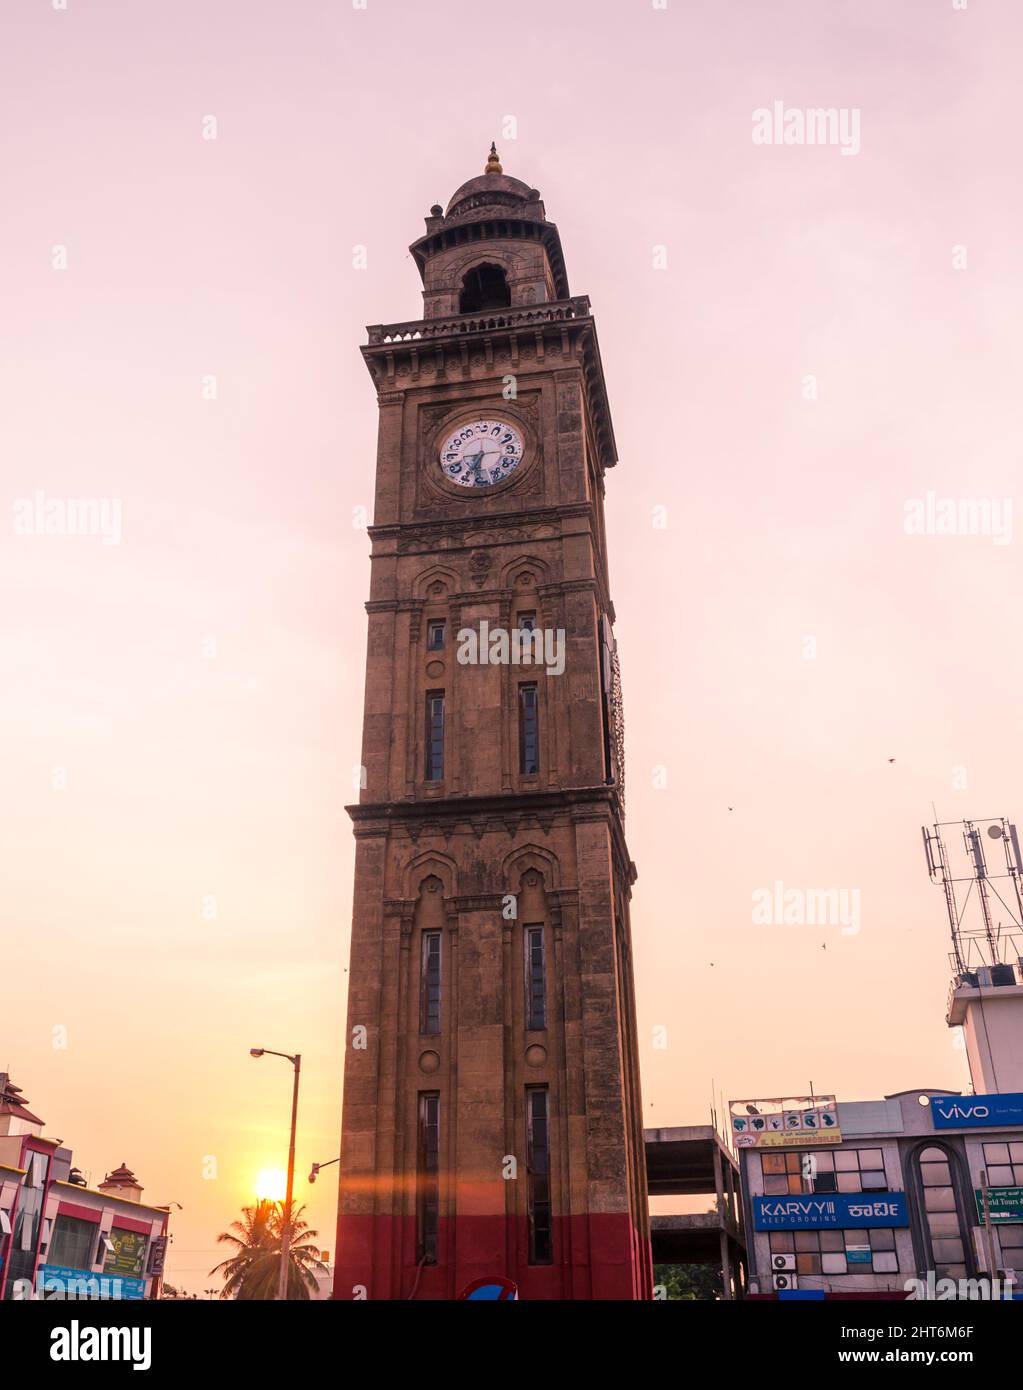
x,y
482,453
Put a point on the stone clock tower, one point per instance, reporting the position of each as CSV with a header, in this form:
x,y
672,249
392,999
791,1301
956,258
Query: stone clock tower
x,y
492,1122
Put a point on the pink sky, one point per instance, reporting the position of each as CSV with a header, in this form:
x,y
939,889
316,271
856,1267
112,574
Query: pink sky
x,y
189,776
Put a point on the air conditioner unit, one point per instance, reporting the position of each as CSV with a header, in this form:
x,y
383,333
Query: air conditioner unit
x,y
1003,975
783,1282
780,1263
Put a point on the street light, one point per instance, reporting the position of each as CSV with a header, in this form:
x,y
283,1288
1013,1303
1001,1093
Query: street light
x,y
296,1062
314,1170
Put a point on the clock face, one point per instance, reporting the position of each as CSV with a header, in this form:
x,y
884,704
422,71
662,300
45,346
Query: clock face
x,y
481,453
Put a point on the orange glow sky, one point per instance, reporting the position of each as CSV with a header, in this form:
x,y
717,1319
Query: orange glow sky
x,y
190,774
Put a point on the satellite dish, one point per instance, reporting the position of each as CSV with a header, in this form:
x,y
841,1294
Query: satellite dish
x,y
996,832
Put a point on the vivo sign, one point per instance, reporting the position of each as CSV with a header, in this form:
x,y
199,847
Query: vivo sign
x,y
975,1112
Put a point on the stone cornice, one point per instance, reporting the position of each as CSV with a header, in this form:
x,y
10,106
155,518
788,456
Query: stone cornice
x,y
474,596
443,814
446,342
491,521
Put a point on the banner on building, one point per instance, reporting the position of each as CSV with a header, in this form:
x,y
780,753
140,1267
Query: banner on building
x,y
158,1255
837,1211
58,1282
977,1112
784,1122
127,1260
1003,1204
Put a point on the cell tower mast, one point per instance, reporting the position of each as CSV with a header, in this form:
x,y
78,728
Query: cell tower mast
x,y
986,998
969,886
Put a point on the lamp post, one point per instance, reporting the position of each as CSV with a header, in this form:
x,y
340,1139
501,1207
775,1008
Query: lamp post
x,y
296,1062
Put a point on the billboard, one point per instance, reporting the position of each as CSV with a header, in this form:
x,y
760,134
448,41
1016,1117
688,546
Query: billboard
x,y
127,1260
977,1112
61,1282
1003,1204
836,1211
158,1255
784,1122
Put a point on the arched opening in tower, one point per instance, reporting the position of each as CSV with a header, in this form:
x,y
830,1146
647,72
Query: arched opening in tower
x,y
484,287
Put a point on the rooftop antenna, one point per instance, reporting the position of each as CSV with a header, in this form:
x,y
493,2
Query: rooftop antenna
x,y
969,884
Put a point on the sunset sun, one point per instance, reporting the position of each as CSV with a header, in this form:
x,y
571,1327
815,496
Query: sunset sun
x,y
271,1184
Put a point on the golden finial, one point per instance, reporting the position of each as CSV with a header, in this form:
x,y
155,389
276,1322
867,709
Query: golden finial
x,y
493,163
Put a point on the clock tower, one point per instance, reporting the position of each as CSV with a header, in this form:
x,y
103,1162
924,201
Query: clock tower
x,y
491,1123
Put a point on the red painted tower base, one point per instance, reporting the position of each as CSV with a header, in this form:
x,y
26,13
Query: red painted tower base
x,y
596,1257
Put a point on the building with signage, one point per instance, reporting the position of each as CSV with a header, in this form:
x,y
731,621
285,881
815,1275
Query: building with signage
x,y
61,1238
922,1186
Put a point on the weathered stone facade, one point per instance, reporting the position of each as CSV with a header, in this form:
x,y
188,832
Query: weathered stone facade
x,y
448,855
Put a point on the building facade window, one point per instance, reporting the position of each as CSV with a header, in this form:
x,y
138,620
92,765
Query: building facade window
x,y
536,980
538,1189
1010,1242
823,1170
435,736
436,629
1004,1164
23,1241
427,1177
941,1213
527,622
869,1251
429,983
72,1242
529,730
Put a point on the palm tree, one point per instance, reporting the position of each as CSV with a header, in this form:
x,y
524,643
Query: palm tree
x,y
252,1271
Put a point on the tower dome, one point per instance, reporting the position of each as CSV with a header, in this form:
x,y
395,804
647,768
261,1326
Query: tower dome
x,y
492,246
491,189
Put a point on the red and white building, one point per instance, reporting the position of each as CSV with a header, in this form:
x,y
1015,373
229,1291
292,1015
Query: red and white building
x,y
60,1238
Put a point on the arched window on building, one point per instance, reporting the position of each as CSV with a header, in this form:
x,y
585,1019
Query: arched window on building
x,y
943,1227
484,287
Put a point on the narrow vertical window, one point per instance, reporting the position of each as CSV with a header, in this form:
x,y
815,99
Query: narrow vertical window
x,y
435,736
536,979
429,984
529,730
538,1196
941,1213
527,622
428,1168
435,632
